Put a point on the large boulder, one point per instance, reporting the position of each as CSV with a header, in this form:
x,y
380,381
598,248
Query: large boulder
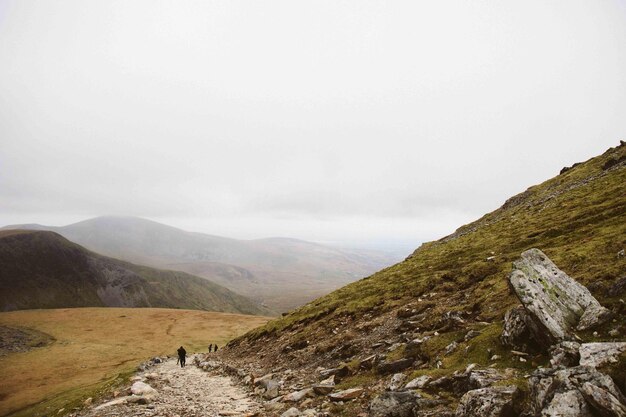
x,y
556,303
489,402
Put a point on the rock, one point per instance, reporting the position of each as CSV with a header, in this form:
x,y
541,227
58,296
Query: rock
x,y
393,404
117,401
138,399
614,333
262,381
419,382
558,392
450,348
338,372
413,349
471,334
618,288
602,400
321,389
565,354
310,412
328,381
387,367
88,402
488,402
141,388
593,316
397,380
346,395
369,362
271,389
598,354
298,395
555,302
483,378
292,412
516,330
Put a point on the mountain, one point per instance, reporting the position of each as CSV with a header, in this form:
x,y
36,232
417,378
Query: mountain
x,y
442,308
41,269
281,273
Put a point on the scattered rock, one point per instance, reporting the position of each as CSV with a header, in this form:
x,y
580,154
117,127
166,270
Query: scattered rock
x,y
338,372
471,334
387,367
419,382
394,404
141,388
321,389
450,348
346,395
397,381
298,395
292,412
488,402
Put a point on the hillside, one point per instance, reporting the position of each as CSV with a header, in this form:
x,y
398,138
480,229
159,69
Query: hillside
x,y
449,297
280,273
42,269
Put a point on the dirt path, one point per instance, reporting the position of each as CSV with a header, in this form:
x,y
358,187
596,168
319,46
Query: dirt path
x,y
186,392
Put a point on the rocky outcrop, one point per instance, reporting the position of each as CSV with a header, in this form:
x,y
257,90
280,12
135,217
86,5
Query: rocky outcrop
x,y
555,303
572,392
488,402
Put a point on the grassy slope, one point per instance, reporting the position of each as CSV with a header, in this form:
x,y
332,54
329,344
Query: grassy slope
x,y
84,358
578,219
44,270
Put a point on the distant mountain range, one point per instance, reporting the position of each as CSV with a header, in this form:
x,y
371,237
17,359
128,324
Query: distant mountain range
x,y
278,272
41,269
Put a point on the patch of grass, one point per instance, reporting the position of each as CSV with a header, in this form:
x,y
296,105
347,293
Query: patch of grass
x,y
97,347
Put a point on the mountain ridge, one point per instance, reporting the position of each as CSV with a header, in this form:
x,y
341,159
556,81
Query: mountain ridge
x,y
280,272
42,269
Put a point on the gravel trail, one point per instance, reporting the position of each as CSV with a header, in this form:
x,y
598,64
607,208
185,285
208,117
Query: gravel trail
x,y
187,392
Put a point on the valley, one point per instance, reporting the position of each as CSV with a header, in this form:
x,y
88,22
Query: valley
x,y
86,351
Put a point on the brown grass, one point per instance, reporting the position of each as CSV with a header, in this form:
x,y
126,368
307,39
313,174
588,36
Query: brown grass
x,y
94,346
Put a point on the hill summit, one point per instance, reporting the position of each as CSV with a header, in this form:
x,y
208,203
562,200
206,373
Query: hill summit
x,y
423,337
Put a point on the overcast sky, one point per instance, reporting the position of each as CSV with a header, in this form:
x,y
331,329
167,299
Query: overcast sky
x,y
334,120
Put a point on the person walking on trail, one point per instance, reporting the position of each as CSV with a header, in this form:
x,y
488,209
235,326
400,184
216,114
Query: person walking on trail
x,y
181,356
211,348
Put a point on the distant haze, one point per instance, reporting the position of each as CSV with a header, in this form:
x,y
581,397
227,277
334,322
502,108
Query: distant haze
x,y
354,122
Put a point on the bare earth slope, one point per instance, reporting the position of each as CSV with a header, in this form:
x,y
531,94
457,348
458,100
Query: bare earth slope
x,y
44,270
458,284
281,273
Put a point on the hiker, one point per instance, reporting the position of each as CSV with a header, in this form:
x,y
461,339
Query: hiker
x,y
210,347
181,356
215,348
